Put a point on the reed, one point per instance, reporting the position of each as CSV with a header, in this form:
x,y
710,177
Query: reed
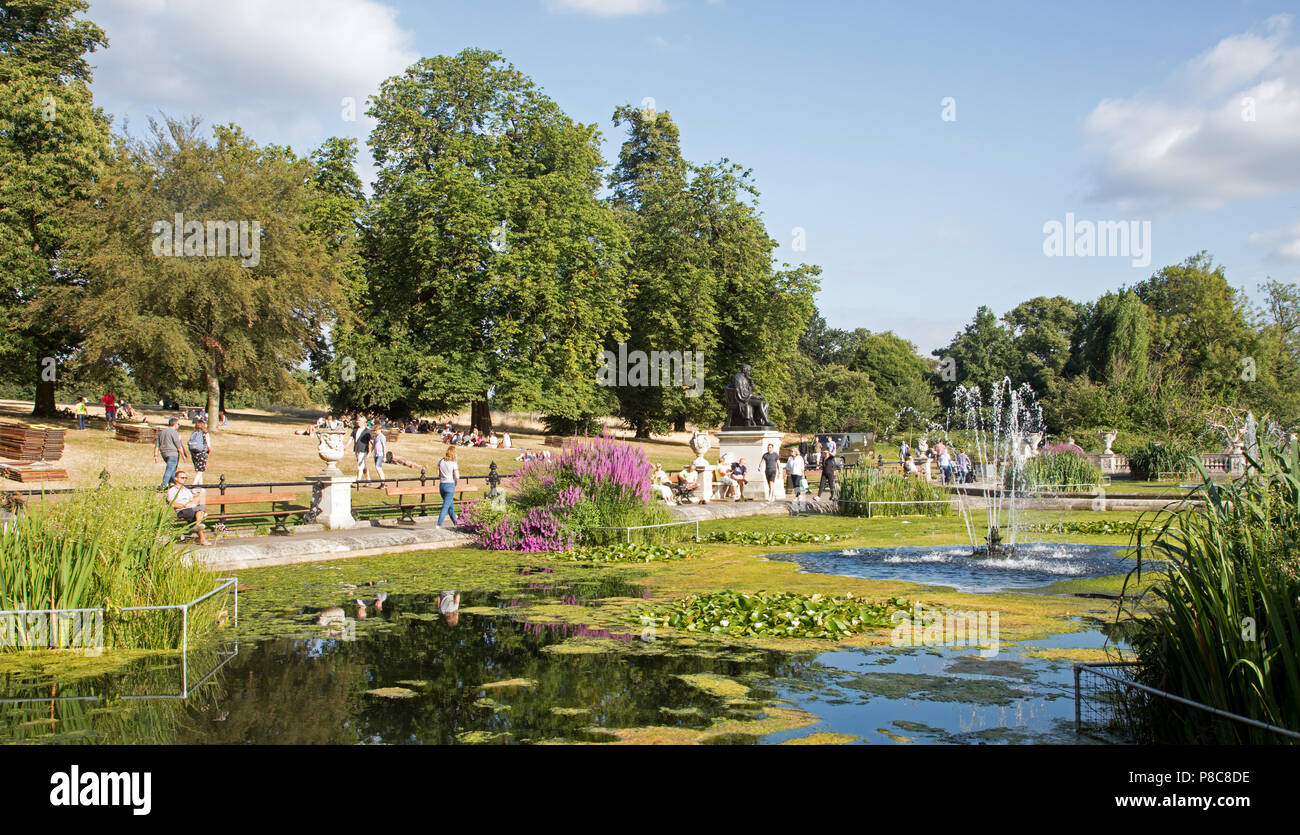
x,y
106,548
859,488
1222,626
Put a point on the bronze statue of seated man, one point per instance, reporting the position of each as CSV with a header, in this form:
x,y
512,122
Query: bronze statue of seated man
x,y
744,406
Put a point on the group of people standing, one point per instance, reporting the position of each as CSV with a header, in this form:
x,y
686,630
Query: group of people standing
x,y
953,469
732,476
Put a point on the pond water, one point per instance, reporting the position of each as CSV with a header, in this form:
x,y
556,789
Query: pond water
x,y
1029,566
408,674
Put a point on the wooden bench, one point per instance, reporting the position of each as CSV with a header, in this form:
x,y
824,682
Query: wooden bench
x,y
407,511
212,496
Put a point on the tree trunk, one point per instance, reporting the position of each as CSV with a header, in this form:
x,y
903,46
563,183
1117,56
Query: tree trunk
x,y
642,428
221,408
214,402
44,399
480,415
679,423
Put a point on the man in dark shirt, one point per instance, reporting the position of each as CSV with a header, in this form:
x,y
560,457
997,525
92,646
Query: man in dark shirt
x,y
829,467
771,466
167,443
361,440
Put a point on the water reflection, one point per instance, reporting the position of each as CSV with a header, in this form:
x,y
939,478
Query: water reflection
x,y
412,675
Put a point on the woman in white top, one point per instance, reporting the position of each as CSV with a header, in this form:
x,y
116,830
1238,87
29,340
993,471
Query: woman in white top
x,y
448,475
795,466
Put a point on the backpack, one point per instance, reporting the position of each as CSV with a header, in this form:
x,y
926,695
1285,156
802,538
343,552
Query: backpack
x,y
197,443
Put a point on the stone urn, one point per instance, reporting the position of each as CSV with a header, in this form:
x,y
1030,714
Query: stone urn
x,y
923,447
1107,437
331,446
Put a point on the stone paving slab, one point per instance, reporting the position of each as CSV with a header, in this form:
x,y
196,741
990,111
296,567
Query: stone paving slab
x,y
363,540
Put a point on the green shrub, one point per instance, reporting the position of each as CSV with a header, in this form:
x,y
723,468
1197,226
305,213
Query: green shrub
x,y
1148,461
859,488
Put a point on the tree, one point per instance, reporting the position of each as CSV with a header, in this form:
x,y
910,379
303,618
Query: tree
x,y
233,294
53,142
901,377
1117,336
983,353
491,268
701,276
1044,331
1199,323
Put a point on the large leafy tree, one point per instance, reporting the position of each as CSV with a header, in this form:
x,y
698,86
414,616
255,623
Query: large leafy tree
x,y
701,277
197,317
53,142
1045,332
983,353
1199,324
491,266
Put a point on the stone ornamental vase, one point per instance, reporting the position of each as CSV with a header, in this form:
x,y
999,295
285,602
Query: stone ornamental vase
x,y
331,447
1107,437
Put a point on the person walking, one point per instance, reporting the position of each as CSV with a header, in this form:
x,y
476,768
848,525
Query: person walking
x,y
945,464
829,468
167,443
448,476
378,446
963,467
361,439
199,445
795,466
81,411
771,464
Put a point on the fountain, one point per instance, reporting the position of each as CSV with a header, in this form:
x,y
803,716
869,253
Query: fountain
x,y
1004,426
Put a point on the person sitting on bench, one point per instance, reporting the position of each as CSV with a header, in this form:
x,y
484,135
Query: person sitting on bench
x,y
189,507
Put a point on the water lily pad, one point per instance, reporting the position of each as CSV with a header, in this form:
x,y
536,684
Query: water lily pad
x,y
824,738
392,693
571,711
510,682
491,704
716,685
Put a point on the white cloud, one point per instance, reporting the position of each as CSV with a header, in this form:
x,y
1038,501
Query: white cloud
x,y
1225,127
279,69
606,8
1283,244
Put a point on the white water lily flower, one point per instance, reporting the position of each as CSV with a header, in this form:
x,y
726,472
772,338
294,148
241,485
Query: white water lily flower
x,y
725,622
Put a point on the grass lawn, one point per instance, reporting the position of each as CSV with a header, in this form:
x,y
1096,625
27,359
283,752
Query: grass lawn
x,y
260,446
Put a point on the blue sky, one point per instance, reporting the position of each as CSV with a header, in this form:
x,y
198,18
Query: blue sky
x,y
1110,111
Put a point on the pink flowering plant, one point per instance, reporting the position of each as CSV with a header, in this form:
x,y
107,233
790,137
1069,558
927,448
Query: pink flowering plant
x,y
593,482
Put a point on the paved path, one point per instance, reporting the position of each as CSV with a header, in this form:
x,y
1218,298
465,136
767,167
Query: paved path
x,y
230,553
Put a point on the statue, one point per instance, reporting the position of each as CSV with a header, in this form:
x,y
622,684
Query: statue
x,y
744,407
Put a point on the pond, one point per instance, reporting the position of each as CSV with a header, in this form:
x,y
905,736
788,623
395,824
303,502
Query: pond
x,y
1029,566
409,674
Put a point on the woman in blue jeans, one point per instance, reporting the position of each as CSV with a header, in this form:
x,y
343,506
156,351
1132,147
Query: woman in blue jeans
x,y
448,475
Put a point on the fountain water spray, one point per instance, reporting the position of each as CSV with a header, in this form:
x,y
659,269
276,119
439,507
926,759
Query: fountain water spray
x,y
1004,427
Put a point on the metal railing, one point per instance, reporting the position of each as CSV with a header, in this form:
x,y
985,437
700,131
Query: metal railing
x,y
42,616
1103,703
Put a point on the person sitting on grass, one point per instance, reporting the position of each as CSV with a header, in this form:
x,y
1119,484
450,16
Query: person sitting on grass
x,y
188,504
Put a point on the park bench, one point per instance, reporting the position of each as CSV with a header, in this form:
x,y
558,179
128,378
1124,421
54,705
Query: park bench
x,y
407,510
213,497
